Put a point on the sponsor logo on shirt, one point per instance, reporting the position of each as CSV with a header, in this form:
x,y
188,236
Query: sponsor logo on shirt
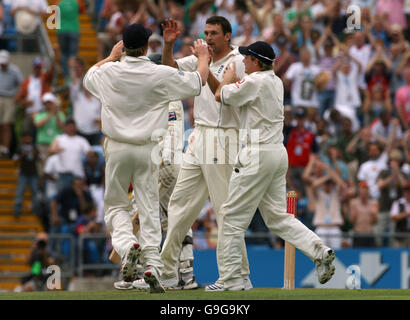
x,y
181,73
172,116
220,69
237,84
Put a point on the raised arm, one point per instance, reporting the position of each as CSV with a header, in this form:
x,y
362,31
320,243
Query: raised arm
x,y
170,34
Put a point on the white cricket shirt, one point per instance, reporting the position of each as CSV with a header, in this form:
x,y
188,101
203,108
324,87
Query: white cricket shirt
x,y
207,111
303,91
260,96
134,95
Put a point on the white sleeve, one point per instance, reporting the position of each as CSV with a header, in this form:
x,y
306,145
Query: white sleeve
x,y
395,210
94,77
239,94
85,146
182,84
91,79
290,73
189,63
361,176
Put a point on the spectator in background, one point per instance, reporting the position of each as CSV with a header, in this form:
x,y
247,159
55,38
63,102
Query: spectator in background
x,y
199,11
39,259
324,48
51,173
333,158
86,107
326,197
358,148
370,170
346,74
363,216
87,224
32,89
69,204
378,71
402,101
392,11
154,44
28,14
69,33
71,149
94,168
400,215
390,183
49,123
27,154
112,33
387,128
247,37
375,101
361,51
342,141
10,79
284,59
301,75
300,144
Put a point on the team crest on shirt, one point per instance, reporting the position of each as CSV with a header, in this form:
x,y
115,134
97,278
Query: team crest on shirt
x,y
172,116
181,73
237,84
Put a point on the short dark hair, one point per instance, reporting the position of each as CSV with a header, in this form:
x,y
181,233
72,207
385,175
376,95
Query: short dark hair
x,y
223,22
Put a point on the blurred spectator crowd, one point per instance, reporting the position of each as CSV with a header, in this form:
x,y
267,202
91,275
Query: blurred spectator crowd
x,y
347,112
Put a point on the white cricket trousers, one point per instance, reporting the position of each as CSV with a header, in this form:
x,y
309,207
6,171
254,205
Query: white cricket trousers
x,y
197,180
261,183
125,164
187,251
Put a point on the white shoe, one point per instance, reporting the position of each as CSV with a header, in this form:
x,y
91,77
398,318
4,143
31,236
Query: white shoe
x,y
123,285
140,284
217,286
129,271
152,279
247,283
168,284
190,284
324,267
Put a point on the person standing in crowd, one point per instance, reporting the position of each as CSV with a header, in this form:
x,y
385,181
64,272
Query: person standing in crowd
x,y
32,89
70,149
49,124
69,32
400,215
10,79
27,154
363,216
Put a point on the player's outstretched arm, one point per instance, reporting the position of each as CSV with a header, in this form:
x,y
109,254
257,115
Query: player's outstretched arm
x,y
170,34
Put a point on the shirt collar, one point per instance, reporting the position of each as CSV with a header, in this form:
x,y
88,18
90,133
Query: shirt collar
x,y
135,59
233,52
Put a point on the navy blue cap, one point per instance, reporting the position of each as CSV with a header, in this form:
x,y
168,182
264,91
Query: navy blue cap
x,y
136,36
260,50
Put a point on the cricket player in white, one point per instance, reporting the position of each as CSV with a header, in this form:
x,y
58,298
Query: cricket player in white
x,y
170,150
204,173
134,94
258,180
